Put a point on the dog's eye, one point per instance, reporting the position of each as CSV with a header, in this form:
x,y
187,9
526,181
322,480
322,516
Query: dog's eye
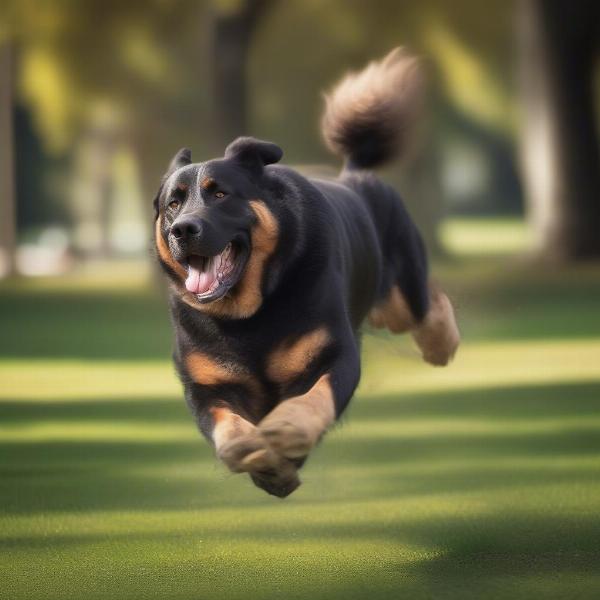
x,y
174,204
219,194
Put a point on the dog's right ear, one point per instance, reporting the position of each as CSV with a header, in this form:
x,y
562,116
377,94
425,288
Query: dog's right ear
x,y
183,158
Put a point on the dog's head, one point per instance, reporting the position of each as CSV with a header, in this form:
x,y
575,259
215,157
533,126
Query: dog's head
x,y
212,229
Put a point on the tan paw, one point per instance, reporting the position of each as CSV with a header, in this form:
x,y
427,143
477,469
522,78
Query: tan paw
x,y
291,440
236,451
270,471
438,336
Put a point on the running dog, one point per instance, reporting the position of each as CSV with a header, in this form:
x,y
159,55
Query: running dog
x,y
272,274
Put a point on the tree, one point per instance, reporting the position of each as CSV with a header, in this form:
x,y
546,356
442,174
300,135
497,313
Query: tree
x,y
232,34
8,235
560,154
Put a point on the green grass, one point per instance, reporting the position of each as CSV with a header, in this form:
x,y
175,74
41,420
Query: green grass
x,y
477,481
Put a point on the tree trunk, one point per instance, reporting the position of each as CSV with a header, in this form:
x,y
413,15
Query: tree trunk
x,y
8,227
232,32
558,43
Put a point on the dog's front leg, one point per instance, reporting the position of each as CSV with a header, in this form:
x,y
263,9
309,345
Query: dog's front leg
x,y
217,394
295,426
241,447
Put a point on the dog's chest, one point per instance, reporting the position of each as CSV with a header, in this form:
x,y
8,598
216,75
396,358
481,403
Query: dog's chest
x,y
281,363
269,370
293,356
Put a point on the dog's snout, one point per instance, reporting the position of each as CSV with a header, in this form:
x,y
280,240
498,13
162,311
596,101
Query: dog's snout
x,y
186,226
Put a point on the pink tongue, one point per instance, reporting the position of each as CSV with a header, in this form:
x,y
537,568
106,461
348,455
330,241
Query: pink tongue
x,y
198,281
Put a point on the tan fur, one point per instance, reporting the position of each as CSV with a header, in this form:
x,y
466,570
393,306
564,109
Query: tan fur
x,y
385,96
295,425
246,297
393,313
238,442
292,357
227,426
438,336
205,370
207,183
165,253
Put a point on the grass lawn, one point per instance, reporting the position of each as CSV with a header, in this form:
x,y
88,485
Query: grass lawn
x,y
477,481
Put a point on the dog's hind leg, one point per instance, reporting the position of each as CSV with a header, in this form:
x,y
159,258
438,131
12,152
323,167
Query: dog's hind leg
x,y
408,302
436,334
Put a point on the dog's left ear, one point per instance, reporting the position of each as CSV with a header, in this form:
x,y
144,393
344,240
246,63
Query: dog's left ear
x,y
253,154
182,159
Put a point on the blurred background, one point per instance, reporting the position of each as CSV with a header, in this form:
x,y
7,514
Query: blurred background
x,y
96,96
105,484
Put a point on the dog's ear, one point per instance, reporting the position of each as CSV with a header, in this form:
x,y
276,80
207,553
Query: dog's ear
x,y
253,154
183,158
156,199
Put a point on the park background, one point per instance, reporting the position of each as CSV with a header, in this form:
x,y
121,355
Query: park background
x,y
480,480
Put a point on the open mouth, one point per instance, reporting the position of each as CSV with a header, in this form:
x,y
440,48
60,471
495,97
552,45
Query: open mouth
x,y
211,277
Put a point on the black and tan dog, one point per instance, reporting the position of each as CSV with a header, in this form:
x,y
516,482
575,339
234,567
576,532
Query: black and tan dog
x,y
272,275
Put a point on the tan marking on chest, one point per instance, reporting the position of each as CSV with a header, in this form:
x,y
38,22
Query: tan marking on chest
x,y
392,313
246,297
164,253
293,356
205,370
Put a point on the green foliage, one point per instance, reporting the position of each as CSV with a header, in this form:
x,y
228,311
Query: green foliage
x,y
81,62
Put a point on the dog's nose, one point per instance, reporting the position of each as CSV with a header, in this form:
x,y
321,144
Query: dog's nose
x,y
186,226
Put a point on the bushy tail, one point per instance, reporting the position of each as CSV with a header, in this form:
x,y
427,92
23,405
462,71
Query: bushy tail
x,y
369,114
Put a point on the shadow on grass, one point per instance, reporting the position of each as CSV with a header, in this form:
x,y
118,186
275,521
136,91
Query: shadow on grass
x,y
70,324
149,410
134,324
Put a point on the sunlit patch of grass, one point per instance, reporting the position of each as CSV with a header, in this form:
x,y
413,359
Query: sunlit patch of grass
x,y
394,364
485,237
72,380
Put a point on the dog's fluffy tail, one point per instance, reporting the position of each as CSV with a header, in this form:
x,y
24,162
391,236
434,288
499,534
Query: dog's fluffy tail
x,y
369,115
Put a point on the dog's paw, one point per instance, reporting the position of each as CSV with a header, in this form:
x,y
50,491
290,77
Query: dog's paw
x,y
438,336
289,440
277,483
269,470
235,452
